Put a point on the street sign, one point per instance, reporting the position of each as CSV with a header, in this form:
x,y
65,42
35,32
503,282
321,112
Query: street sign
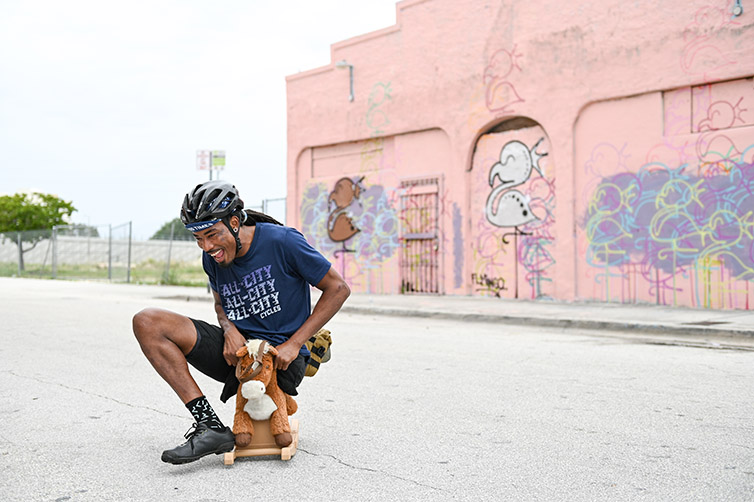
x,y
218,160
203,160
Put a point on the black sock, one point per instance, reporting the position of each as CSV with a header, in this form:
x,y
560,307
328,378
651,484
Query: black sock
x,y
203,413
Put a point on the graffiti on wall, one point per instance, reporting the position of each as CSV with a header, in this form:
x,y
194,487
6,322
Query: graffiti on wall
x,y
500,94
674,229
368,224
716,148
519,199
340,224
458,247
376,118
505,206
702,56
353,218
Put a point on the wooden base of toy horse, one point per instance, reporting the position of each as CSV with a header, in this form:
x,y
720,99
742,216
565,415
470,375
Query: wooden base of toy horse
x,y
263,443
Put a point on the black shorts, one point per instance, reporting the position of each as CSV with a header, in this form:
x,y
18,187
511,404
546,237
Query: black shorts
x,y
207,357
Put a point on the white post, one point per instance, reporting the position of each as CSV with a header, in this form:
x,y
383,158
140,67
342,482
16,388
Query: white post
x,y
20,251
110,253
128,270
54,252
170,248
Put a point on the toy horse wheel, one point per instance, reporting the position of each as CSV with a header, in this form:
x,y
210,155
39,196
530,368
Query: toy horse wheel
x,y
294,429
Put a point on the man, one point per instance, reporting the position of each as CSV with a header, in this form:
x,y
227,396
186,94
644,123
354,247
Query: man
x,y
260,272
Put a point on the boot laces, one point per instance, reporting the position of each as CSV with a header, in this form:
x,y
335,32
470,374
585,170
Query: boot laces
x,y
193,431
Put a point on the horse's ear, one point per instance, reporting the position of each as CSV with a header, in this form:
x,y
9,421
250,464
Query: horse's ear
x,y
243,351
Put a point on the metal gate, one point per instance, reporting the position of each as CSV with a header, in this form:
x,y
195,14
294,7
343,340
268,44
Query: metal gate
x,y
419,259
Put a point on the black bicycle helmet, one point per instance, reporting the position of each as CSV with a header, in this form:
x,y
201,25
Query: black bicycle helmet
x,y
210,202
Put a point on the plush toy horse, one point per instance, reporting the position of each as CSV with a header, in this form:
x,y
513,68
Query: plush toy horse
x,y
255,366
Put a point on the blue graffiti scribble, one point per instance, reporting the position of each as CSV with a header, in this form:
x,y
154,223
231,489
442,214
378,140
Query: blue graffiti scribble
x,y
374,215
667,219
457,246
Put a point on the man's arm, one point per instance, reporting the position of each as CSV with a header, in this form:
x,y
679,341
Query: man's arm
x,y
234,340
334,293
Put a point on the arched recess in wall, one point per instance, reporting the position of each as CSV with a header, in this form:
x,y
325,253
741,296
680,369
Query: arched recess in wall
x,y
355,209
664,196
512,213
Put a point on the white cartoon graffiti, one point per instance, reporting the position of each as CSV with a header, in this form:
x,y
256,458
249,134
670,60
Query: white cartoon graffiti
x,y
510,208
507,207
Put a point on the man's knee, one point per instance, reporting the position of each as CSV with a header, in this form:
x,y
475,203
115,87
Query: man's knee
x,y
154,326
146,323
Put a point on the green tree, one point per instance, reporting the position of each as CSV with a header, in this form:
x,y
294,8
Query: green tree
x,y
22,212
179,232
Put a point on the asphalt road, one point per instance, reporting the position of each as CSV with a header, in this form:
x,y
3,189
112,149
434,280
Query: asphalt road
x,y
408,409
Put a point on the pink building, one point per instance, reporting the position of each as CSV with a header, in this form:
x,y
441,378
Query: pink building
x,y
600,151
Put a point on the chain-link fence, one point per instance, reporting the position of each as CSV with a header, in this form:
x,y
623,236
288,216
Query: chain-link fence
x,y
275,208
107,252
99,253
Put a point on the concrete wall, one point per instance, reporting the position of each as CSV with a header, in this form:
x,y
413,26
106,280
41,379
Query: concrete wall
x,y
80,250
577,151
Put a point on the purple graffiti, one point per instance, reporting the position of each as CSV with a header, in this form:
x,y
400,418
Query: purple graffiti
x,y
373,215
458,247
667,220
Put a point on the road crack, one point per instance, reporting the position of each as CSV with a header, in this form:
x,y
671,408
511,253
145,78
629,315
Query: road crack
x,y
369,469
88,393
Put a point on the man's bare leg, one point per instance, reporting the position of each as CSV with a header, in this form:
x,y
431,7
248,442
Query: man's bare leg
x,y
166,338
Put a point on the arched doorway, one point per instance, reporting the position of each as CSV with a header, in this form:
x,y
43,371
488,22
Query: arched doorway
x,y
512,186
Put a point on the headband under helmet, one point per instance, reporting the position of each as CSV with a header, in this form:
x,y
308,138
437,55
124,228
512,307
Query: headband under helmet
x,y
209,203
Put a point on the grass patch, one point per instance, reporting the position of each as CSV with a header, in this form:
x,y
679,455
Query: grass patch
x,y
146,272
181,274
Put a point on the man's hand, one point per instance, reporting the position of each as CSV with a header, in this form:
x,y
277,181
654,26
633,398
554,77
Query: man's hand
x,y
234,340
334,293
287,353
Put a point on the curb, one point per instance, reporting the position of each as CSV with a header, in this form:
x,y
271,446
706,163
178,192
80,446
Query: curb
x,y
683,335
665,330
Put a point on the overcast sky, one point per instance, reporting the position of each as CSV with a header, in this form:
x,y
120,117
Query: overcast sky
x,y
105,103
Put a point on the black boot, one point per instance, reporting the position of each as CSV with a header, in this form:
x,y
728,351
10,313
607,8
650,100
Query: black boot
x,y
201,441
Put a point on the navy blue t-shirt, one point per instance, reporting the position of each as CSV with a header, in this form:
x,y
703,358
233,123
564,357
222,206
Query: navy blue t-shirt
x,y
265,292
